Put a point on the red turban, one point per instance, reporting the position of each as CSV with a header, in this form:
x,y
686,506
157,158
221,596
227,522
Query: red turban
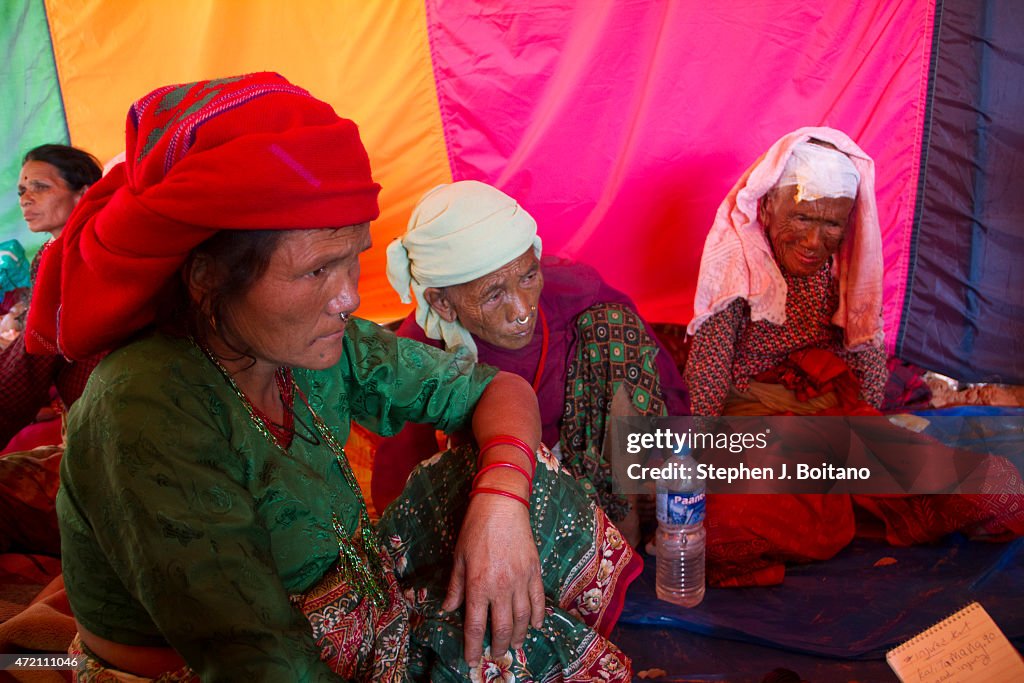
x,y
245,153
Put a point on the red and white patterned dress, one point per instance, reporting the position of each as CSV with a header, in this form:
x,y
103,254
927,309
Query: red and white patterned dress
x,y
729,350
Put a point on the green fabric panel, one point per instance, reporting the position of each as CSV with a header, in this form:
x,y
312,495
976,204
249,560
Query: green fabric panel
x,y
31,109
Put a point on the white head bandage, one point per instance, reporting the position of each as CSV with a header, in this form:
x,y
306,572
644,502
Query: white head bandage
x,y
457,233
818,172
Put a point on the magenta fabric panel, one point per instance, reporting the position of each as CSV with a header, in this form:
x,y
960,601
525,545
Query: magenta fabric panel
x,y
622,125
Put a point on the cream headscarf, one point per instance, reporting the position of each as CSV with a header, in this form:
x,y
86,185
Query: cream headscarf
x,y
457,233
738,263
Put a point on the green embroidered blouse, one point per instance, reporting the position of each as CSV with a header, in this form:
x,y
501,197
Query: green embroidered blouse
x,y
182,524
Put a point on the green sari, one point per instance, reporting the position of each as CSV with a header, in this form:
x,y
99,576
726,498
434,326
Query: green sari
x,y
183,524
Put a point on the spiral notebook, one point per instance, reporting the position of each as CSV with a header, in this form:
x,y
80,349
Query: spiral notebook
x,y
966,646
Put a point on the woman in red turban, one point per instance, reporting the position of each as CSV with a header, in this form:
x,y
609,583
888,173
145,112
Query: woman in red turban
x,y
211,525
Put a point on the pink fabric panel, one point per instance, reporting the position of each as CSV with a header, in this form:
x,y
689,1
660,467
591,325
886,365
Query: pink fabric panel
x,y
621,126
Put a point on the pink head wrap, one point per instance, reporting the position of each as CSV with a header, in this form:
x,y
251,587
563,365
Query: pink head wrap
x,y
738,263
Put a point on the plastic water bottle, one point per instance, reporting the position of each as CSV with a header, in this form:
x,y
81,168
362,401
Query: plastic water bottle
x,y
681,535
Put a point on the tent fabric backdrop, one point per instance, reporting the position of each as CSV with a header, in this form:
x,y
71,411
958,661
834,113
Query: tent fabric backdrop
x,y
31,112
965,304
622,126
619,125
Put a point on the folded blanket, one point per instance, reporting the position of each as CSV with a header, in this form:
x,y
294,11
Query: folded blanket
x,y
28,491
44,626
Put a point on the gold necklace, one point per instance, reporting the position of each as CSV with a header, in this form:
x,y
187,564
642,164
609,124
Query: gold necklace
x,y
359,557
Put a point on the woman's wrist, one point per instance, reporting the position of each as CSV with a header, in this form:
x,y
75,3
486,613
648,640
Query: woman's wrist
x,y
490,491
504,479
502,465
506,466
506,448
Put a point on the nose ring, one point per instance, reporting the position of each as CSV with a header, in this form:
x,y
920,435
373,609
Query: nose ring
x,y
343,317
523,321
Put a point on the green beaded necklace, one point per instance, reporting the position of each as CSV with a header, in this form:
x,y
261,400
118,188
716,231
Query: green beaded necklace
x,y
359,557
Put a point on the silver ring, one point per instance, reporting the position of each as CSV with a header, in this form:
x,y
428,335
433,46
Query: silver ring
x,y
343,316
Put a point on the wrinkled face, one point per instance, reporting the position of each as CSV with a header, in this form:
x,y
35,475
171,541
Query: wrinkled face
x,y
803,234
290,315
491,307
46,200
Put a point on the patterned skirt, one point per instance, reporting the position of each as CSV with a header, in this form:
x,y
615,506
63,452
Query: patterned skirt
x,y
585,563
613,374
586,566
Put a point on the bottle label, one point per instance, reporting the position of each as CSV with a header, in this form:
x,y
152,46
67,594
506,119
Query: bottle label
x,y
680,508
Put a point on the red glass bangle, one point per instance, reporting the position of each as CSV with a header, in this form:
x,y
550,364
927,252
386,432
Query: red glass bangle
x,y
510,465
509,440
499,492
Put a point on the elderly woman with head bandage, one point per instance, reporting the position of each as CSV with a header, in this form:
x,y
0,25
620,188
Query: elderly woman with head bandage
x,y
211,526
789,296
471,261
788,321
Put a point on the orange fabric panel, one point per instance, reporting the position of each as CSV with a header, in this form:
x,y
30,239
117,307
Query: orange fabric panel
x,y
371,61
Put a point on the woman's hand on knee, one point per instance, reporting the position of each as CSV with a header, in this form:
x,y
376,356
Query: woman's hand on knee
x,y
497,571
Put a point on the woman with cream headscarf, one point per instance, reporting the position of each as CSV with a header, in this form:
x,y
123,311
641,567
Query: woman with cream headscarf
x,y
471,261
